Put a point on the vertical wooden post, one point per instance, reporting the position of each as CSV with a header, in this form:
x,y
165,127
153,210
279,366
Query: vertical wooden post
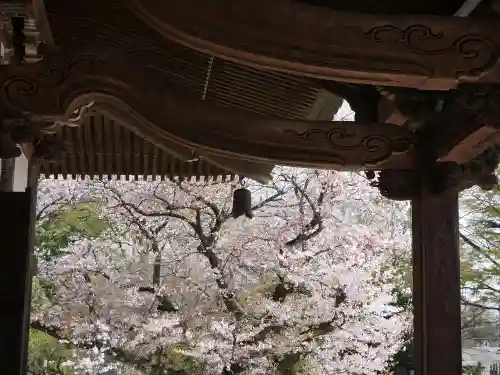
x,y
17,235
7,174
436,282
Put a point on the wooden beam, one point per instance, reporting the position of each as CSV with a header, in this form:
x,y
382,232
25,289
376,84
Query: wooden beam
x,y
478,127
175,120
468,125
436,282
473,145
421,51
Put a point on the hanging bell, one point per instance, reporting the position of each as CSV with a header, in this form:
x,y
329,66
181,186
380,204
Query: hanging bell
x,y
8,148
242,203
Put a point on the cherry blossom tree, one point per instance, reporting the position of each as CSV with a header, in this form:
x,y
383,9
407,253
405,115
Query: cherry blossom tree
x,y
175,284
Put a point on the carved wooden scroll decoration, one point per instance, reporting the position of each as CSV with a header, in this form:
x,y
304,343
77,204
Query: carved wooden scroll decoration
x,y
373,148
426,52
177,121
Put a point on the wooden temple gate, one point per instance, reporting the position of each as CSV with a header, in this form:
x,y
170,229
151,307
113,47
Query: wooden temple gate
x,y
226,87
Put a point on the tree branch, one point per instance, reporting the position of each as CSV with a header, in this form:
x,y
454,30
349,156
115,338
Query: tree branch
x,y
478,305
477,248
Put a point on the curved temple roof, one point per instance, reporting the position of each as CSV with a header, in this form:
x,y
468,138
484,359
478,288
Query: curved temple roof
x,y
190,97
101,146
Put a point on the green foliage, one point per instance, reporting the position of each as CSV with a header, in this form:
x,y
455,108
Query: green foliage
x,y
264,289
71,222
47,356
55,234
473,369
43,293
49,289
301,368
177,360
480,257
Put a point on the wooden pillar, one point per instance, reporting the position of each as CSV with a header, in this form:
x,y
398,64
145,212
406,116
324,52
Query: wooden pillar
x,y
17,212
436,282
7,174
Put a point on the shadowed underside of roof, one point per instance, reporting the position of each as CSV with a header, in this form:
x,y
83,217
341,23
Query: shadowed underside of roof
x,y
261,92
100,147
111,25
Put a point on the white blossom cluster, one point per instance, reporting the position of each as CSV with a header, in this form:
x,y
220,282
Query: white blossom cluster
x,y
306,283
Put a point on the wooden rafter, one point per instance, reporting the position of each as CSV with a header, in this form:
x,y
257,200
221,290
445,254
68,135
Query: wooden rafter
x,y
101,147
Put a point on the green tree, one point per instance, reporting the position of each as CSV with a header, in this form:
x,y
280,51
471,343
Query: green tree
x,y
480,236
56,230
48,356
